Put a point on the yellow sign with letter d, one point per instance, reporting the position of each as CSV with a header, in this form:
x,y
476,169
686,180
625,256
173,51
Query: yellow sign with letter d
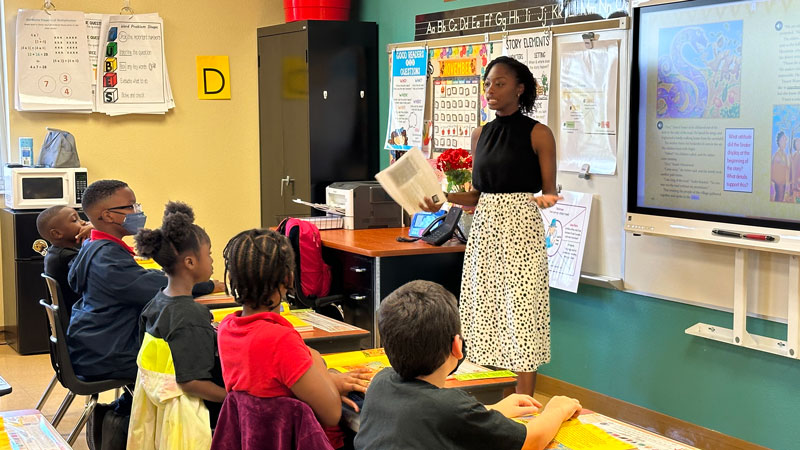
x,y
213,78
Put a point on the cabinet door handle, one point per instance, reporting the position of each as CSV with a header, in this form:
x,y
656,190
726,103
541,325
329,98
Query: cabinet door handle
x,y
358,297
285,182
358,269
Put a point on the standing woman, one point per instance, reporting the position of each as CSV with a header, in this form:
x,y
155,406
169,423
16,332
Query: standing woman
x,y
505,299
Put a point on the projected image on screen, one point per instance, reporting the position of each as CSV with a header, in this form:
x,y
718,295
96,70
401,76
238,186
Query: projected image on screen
x,y
715,128
699,70
785,161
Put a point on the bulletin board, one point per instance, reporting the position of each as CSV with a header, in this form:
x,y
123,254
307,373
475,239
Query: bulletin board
x,y
603,258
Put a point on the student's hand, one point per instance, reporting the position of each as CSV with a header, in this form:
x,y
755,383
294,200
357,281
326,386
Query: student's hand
x,y
429,206
516,405
546,200
84,233
565,406
219,286
355,380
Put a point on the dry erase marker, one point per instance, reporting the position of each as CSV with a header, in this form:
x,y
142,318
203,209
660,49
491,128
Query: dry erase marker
x,y
726,233
759,237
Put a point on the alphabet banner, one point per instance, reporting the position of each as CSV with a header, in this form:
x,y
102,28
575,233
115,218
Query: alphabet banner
x,y
213,78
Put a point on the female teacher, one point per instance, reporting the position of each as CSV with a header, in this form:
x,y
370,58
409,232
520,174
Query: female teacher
x,y
505,300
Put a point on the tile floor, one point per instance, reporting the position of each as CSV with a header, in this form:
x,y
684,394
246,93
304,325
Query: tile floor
x,y
28,376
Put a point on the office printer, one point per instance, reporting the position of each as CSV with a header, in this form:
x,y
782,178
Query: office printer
x,y
365,205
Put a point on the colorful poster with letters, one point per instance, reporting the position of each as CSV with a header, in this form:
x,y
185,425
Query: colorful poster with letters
x,y
535,50
407,109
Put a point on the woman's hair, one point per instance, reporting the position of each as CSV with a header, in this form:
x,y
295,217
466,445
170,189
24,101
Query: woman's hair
x,y
257,262
524,76
177,235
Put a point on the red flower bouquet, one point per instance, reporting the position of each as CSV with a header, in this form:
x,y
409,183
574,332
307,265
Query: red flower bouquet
x,y
456,163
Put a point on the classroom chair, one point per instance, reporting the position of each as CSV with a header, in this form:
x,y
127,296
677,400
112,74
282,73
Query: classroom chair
x,y
59,357
247,422
54,291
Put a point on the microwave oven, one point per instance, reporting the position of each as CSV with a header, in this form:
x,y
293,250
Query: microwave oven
x,y
38,188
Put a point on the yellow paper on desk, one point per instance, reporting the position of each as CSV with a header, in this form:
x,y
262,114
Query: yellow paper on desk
x,y
374,360
147,263
576,435
221,313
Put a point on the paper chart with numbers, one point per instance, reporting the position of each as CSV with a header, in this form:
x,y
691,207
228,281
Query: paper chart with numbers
x,y
455,111
132,72
52,67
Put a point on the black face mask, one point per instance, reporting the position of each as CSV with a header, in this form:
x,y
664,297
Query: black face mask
x,y
463,355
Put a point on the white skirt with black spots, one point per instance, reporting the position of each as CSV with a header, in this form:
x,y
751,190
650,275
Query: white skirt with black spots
x,y
505,295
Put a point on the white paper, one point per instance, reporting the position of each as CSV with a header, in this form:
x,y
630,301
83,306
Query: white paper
x,y
93,24
407,108
565,226
409,180
322,207
588,119
140,83
637,437
52,62
322,322
535,50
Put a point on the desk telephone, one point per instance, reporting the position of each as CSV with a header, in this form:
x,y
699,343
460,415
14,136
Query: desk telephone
x,y
441,229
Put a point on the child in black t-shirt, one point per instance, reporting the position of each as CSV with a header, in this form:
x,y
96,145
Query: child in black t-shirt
x,y
406,405
65,230
178,361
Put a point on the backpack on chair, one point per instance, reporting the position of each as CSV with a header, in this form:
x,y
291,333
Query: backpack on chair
x,y
314,275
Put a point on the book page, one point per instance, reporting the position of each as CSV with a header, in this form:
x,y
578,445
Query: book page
x,y
409,180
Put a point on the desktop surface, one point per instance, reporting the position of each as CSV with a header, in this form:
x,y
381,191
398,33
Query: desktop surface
x,y
381,242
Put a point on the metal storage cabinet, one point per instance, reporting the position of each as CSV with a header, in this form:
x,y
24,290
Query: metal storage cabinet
x,y
318,111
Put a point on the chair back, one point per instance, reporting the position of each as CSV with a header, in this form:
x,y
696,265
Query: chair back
x,y
55,294
59,355
247,422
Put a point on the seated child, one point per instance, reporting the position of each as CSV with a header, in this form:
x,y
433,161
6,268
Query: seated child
x,y
260,351
407,405
177,360
66,231
103,334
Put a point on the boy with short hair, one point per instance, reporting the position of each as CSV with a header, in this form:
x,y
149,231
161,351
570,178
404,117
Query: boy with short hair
x,y
406,405
103,334
65,230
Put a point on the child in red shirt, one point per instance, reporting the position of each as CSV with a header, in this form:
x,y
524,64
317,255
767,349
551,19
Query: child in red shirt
x,y
260,351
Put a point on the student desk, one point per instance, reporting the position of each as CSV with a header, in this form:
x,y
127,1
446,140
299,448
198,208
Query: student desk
x,y
367,265
487,391
30,429
318,339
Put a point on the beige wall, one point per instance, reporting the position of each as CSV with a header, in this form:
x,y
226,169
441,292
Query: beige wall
x,y
202,152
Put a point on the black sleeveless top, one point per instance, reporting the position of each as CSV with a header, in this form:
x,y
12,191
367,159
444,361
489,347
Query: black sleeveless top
x,y
504,161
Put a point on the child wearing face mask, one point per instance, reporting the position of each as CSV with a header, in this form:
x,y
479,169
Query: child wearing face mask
x,y
103,334
407,405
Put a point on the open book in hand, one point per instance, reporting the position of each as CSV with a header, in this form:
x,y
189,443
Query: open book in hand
x,y
409,180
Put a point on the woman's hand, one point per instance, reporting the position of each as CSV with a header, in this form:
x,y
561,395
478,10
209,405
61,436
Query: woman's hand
x,y
429,206
546,200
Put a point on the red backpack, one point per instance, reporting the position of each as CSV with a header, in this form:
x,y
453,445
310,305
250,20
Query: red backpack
x,y
313,273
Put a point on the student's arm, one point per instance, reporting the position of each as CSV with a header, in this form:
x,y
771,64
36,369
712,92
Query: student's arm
x,y
316,388
516,405
202,288
205,389
123,279
544,427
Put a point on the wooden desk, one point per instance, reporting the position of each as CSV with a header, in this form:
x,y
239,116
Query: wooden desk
x,y
367,265
321,340
29,429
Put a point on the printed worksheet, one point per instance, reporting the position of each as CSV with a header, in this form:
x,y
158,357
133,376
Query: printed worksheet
x,y
53,70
